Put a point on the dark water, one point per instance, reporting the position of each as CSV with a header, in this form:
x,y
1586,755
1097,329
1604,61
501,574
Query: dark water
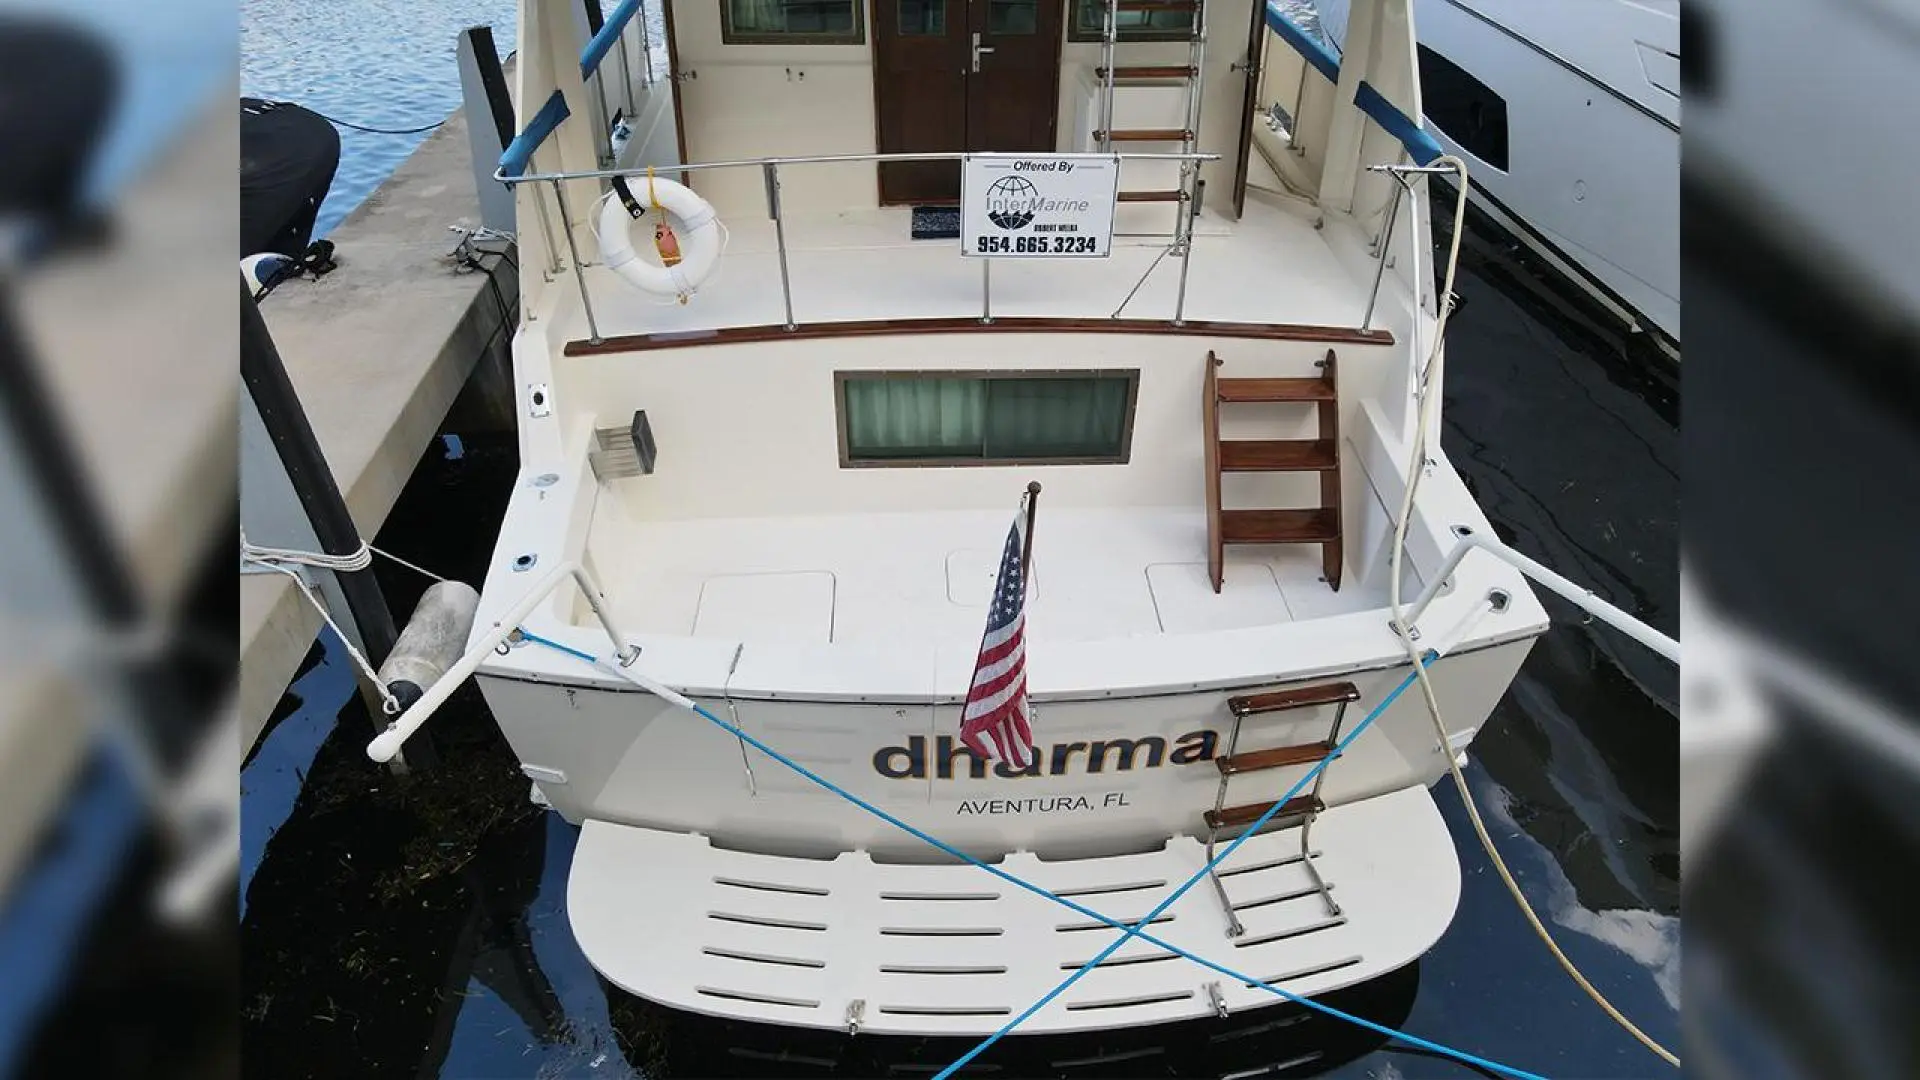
x,y
377,65
417,927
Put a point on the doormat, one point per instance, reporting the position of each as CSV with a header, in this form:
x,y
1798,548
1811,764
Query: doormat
x,y
936,223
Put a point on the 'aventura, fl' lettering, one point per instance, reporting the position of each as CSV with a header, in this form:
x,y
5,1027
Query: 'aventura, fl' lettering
x,y
909,762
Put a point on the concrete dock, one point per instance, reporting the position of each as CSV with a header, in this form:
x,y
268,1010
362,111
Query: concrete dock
x,y
378,350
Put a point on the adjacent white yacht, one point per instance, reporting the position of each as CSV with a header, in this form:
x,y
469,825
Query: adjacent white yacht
x,y
1569,115
769,455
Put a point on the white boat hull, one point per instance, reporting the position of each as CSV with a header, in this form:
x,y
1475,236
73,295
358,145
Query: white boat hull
x,y
712,878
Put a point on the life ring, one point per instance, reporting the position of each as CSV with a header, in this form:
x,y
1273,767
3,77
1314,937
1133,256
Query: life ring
x,y
697,230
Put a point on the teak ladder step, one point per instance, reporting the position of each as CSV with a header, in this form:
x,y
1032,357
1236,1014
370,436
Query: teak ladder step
x,y
1321,454
1321,389
1173,72
1277,455
1277,758
1300,697
1172,195
1234,816
1279,526
1148,135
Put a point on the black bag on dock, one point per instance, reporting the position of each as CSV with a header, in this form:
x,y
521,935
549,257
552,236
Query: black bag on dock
x,y
287,159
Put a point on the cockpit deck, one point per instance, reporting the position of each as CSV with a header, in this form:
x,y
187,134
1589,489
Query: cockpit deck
x,y
924,578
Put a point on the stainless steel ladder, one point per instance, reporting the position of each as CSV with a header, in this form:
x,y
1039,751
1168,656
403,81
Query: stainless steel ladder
x,y
1188,135
1305,807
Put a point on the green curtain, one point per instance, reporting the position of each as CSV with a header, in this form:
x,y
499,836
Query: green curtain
x,y
1056,418
998,419
1093,20
758,16
792,16
915,418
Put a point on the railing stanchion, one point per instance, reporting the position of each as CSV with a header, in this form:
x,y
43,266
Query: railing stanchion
x,y
772,172
626,78
596,87
579,275
546,232
1299,106
1386,245
986,290
1189,173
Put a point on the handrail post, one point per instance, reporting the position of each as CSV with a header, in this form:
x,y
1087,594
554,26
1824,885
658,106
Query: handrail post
x,y
772,173
1183,222
646,46
626,76
579,275
596,88
546,232
1385,245
1109,35
1299,106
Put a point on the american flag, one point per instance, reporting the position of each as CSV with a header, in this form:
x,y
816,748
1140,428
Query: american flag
x,y
995,722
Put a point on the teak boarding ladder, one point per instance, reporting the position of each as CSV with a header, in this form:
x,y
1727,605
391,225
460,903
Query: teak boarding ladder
x,y
1302,808
1188,135
1321,454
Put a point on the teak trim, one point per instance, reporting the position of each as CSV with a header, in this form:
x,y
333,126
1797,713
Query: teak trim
x,y
740,335
848,461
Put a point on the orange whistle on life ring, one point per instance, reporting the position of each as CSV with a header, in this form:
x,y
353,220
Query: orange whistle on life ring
x,y
664,242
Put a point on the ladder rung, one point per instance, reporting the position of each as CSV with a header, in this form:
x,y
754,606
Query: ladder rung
x,y
1174,72
1148,135
1277,758
1278,455
1157,5
1315,389
1310,525
1300,697
1233,816
1171,195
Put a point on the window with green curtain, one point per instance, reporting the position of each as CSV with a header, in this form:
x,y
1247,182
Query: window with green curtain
x,y
964,417
823,22
1090,21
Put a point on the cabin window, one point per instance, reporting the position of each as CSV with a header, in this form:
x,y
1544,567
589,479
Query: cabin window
x,y
923,17
1464,108
1090,21
985,417
791,22
1013,16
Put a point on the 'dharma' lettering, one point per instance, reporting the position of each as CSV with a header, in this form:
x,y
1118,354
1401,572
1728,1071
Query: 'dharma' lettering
x,y
951,760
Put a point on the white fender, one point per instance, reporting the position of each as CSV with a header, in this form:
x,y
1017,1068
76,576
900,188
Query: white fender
x,y
694,223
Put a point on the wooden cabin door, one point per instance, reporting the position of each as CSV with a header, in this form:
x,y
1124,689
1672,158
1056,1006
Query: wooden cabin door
x,y
959,75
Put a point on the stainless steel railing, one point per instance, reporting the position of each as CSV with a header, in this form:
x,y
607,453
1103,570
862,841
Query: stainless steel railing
x,y
771,166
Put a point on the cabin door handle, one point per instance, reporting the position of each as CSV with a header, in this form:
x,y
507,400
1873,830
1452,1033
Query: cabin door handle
x,y
977,50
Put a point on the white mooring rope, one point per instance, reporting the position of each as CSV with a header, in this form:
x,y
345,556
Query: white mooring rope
x,y
286,560
1415,470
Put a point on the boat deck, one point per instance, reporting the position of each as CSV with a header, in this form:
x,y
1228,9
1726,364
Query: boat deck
x,y
1272,266
924,578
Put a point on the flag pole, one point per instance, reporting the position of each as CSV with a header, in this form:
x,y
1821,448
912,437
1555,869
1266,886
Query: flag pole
x,y
1026,548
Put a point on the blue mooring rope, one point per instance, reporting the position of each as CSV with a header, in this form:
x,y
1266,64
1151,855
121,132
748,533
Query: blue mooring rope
x,y
1130,932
